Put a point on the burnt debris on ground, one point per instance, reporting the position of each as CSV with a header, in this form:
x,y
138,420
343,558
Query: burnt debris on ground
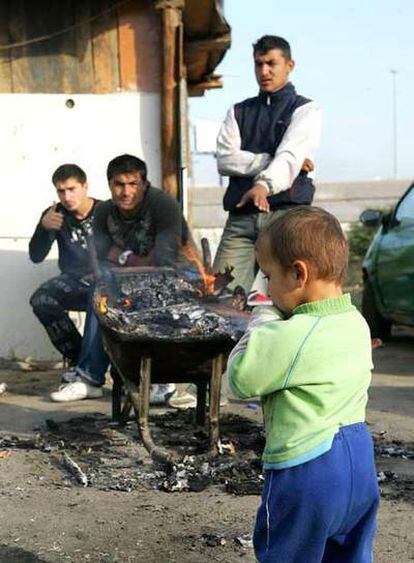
x,y
93,451
394,485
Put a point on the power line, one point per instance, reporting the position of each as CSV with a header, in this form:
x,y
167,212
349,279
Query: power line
x,y
64,30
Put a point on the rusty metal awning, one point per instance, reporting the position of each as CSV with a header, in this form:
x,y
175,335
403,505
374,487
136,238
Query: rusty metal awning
x,y
207,36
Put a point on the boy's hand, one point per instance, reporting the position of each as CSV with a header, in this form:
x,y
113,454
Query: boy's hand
x,y
258,194
307,165
52,220
264,314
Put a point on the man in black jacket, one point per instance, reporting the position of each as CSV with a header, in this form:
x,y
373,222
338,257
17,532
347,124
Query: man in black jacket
x,y
265,146
68,223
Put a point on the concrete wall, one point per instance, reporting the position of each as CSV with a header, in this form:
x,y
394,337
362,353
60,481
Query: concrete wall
x,y
346,200
38,133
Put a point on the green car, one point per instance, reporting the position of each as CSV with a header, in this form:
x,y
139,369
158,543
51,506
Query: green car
x,y
388,268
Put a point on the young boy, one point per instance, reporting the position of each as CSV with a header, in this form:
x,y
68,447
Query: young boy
x,y
311,365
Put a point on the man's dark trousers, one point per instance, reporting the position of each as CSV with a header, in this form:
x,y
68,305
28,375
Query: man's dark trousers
x,y
51,303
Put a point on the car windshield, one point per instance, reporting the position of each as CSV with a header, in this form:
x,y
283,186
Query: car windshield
x,y
405,210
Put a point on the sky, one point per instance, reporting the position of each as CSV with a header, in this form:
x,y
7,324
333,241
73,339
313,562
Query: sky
x,y
344,53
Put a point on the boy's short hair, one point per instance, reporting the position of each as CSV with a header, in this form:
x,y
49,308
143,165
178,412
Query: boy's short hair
x,y
126,164
313,235
269,42
66,171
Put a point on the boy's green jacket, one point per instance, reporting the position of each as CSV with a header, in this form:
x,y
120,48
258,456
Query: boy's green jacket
x,y
312,372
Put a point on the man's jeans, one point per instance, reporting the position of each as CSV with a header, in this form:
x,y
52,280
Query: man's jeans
x,y
236,246
93,361
51,303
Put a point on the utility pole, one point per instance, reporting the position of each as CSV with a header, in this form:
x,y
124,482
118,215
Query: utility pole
x,y
394,121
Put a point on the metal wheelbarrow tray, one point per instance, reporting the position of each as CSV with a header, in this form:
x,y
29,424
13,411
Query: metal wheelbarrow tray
x,y
160,327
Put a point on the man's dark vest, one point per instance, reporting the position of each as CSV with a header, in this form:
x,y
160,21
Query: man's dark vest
x,y
263,121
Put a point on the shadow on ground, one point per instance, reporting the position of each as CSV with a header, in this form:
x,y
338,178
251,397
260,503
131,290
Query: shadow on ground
x,y
17,555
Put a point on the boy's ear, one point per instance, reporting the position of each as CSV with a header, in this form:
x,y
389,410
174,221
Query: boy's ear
x,y
301,272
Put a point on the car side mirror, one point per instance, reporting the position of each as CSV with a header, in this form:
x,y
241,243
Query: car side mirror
x,y
371,217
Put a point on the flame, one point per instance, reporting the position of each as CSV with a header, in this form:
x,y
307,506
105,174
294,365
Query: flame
x,y
208,279
102,304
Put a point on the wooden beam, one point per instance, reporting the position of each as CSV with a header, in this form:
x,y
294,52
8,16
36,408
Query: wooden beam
x,y
172,4
83,45
139,47
171,21
104,32
5,65
20,68
209,44
127,37
198,88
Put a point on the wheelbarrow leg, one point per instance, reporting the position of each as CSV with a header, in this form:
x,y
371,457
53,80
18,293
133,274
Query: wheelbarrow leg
x,y
214,407
126,410
144,396
116,395
140,403
201,403
120,412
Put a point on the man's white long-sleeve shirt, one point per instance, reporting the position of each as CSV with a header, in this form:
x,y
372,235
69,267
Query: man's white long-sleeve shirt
x,y
275,171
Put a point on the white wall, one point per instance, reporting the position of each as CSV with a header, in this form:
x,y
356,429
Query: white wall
x,y
38,133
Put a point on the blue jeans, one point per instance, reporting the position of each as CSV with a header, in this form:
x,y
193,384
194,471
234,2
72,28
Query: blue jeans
x,y
93,361
323,510
236,246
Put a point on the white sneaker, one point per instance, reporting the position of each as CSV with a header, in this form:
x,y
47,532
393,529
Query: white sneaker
x,y
161,392
224,401
69,376
76,391
182,401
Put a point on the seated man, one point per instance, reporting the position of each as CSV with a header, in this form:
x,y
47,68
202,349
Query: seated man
x,y
67,222
140,226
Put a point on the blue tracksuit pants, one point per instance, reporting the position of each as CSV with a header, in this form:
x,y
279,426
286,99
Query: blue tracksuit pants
x,y
323,510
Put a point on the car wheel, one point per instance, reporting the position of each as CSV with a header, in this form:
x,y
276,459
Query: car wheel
x,y
380,327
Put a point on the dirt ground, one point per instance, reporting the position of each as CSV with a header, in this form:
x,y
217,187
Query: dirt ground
x,y
134,511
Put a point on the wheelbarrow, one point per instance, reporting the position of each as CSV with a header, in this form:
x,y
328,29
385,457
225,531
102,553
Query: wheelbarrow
x,y
159,328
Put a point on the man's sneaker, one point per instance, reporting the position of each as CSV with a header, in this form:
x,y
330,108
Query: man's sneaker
x,y
224,401
70,376
182,401
256,298
161,392
76,391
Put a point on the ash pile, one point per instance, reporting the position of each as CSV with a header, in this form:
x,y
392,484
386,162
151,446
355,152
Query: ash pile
x,y
167,305
394,460
92,451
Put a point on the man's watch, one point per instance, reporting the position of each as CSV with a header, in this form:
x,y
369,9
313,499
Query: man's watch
x,y
123,257
269,187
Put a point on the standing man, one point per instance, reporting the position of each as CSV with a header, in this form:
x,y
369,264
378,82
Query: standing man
x,y
67,223
264,145
139,226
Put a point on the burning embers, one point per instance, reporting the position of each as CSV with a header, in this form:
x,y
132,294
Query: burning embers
x,y
207,285
165,304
